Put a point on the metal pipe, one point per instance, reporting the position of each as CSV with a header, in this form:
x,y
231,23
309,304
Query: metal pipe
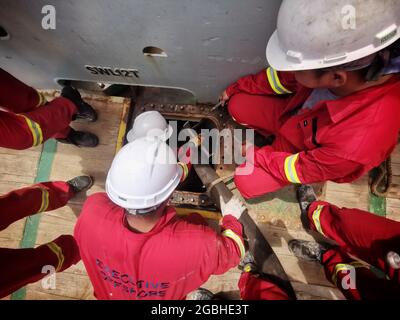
x,y
265,258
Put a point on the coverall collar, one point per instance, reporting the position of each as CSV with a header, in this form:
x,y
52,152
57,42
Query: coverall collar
x,y
343,107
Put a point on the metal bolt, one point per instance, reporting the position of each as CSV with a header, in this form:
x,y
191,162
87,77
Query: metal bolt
x,y
182,107
192,199
202,201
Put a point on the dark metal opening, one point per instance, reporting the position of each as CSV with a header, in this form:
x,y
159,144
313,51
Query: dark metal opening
x,y
193,182
154,52
4,35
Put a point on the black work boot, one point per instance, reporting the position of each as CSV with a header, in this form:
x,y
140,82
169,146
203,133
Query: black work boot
x,y
85,111
81,183
305,196
81,139
308,250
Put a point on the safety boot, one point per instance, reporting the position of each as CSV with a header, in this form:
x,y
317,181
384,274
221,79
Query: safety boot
x,y
85,111
305,196
80,139
81,183
308,250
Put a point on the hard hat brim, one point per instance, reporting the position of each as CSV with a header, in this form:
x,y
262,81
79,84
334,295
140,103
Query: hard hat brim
x,y
280,61
131,136
142,203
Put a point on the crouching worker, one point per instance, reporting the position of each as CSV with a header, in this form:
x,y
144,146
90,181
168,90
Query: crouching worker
x,y
133,244
330,97
366,243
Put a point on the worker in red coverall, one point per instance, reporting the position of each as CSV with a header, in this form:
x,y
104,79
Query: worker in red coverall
x,y
332,103
28,120
363,239
19,267
133,244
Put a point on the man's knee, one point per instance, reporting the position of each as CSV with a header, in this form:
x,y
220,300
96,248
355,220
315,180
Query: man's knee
x,y
244,185
236,109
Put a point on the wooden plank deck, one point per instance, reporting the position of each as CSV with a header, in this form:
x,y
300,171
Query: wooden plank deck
x,y
277,215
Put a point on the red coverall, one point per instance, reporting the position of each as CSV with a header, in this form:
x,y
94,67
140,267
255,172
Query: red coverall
x,y
28,120
362,235
338,140
19,267
174,258
253,287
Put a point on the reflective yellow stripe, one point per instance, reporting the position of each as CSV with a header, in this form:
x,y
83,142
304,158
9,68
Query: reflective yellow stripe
x,y
315,216
58,252
185,170
275,83
346,267
230,234
45,200
290,169
42,99
36,131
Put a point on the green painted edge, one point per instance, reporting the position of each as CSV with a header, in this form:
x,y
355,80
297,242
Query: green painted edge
x,y
377,205
32,223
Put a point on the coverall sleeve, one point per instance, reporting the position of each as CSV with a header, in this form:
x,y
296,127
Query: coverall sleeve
x,y
223,251
266,82
321,164
16,96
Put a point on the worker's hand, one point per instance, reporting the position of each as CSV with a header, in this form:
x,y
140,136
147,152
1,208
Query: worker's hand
x,y
223,98
197,140
234,207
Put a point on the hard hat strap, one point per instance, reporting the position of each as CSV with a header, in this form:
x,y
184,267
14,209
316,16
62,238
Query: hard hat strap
x,y
140,212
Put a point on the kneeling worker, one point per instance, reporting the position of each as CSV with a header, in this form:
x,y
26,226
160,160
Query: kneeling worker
x,y
133,244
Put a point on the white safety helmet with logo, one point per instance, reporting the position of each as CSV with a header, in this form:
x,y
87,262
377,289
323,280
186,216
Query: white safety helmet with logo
x,y
150,124
316,34
143,175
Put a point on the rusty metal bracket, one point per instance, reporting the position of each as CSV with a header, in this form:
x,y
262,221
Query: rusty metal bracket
x,y
190,198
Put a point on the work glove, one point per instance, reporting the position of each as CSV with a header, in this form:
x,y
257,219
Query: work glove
x,y
234,207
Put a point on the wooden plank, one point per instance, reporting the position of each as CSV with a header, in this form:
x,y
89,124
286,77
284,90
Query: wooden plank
x,y
313,292
69,162
69,285
349,195
393,209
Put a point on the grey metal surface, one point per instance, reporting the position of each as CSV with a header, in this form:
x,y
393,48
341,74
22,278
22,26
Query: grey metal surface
x,y
209,43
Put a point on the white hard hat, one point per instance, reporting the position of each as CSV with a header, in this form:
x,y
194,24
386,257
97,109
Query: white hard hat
x,y
143,174
150,124
316,34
